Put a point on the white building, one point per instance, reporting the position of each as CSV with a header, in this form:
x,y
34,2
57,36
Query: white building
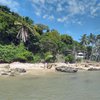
x,y
79,55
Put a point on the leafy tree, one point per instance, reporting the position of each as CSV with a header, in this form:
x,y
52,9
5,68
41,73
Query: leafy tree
x,y
46,44
66,39
7,29
50,42
40,28
5,9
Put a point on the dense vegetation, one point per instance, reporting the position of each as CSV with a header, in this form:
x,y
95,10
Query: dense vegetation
x,y
91,45
22,40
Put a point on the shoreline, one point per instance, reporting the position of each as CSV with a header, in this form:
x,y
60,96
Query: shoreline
x,y
44,68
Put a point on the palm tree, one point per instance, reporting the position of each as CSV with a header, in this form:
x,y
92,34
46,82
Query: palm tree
x,y
25,29
84,40
95,55
23,33
92,39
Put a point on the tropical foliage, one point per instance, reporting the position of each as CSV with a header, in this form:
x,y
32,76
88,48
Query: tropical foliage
x,y
23,40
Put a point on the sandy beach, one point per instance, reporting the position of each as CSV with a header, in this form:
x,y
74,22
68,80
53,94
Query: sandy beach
x,y
44,68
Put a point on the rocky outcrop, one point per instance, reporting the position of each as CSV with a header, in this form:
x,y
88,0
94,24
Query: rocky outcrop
x,y
12,72
20,70
66,69
4,73
93,69
49,66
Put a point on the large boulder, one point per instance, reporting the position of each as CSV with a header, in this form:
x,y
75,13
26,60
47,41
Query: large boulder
x,y
66,69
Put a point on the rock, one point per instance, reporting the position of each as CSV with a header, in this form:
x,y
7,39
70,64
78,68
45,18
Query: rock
x,y
20,70
94,69
4,65
86,65
66,69
49,66
7,66
12,74
4,73
98,65
80,68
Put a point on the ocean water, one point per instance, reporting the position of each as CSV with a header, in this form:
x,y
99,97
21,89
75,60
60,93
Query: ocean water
x,y
52,86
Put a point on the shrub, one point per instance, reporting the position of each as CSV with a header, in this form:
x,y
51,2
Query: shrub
x,y
69,58
79,59
7,53
22,54
10,53
36,58
49,57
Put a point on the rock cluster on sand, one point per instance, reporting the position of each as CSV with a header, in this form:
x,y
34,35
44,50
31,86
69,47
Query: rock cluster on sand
x,y
94,69
66,69
6,70
17,68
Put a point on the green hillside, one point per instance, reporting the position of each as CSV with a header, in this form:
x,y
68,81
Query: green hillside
x,y
23,40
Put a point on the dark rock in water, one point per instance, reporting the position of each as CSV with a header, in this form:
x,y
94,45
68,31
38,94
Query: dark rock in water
x,y
93,69
20,70
66,69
